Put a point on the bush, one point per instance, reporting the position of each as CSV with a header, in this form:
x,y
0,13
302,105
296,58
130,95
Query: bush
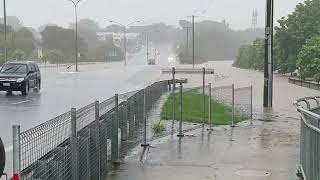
x,y
158,128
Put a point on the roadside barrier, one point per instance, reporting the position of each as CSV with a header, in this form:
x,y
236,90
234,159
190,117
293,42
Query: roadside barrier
x,y
309,109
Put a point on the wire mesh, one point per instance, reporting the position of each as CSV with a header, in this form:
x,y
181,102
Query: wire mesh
x,y
243,103
46,149
223,95
85,116
37,142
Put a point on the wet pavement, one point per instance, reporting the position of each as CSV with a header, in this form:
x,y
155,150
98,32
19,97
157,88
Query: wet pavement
x,y
244,152
266,150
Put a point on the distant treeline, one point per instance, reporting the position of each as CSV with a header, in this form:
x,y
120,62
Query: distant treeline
x,y
57,43
296,44
213,41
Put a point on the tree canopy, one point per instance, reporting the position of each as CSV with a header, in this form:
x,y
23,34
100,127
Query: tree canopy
x,y
62,40
296,42
213,40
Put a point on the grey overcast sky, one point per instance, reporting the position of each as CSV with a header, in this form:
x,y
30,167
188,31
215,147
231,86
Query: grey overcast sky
x,y
237,13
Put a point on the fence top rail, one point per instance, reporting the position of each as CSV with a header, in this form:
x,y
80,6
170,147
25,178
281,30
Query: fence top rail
x,y
303,117
189,70
307,101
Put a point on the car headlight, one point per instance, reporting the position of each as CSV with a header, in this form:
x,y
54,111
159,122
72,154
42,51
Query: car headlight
x,y
19,80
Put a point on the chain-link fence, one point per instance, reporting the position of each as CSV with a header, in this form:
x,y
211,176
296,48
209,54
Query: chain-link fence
x,y
196,106
310,137
81,144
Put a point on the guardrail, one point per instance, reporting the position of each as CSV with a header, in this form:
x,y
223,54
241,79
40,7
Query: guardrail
x,y
82,143
309,108
308,84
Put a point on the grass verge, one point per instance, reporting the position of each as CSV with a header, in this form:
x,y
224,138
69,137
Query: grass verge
x,y
192,109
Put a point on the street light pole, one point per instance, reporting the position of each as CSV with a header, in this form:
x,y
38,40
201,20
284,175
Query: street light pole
x,y
187,43
5,30
75,3
125,37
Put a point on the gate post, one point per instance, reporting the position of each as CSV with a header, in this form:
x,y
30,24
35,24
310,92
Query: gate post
x,y
16,152
97,124
74,145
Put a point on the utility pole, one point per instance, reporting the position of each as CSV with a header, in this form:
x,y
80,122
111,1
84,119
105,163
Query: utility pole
x,y
147,48
193,41
268,62
187,39
125,45
5,30
193,55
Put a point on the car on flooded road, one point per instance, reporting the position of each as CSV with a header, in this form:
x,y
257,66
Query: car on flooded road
x,y
20,76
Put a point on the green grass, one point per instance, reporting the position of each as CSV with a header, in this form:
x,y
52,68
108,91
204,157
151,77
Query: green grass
x,y
192,109
158,128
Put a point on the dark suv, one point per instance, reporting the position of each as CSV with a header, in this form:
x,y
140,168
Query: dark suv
x,y
20,76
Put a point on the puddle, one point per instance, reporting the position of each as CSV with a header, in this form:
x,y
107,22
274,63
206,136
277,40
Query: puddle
x,y
253,173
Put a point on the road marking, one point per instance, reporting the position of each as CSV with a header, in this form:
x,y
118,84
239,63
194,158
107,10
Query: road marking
x,y
20,102
8,149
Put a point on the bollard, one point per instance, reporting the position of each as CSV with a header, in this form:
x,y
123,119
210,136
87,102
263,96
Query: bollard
x,y
180,134
97,124
251,108
16,152
204,97
115,129
74,145
144,144
232,123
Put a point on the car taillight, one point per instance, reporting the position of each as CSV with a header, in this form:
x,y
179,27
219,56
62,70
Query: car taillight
x,y
16,176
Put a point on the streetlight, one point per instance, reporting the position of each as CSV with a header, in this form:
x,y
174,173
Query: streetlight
x,y
75,3
125,37
5,30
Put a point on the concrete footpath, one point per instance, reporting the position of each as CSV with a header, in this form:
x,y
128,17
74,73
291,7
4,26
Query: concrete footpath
x,y
259,152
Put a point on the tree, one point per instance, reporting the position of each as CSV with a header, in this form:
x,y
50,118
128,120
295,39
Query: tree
x,y
13,21
22,39
53,56
251,56
309,58
294,31
216,40
60,39
88,31
18,54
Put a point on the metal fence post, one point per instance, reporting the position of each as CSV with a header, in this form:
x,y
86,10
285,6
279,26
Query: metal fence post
x,y
209,108
144,144
232,123
74,145
97,123
115,129
180,134
251,108
16,152
174,98
204,96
